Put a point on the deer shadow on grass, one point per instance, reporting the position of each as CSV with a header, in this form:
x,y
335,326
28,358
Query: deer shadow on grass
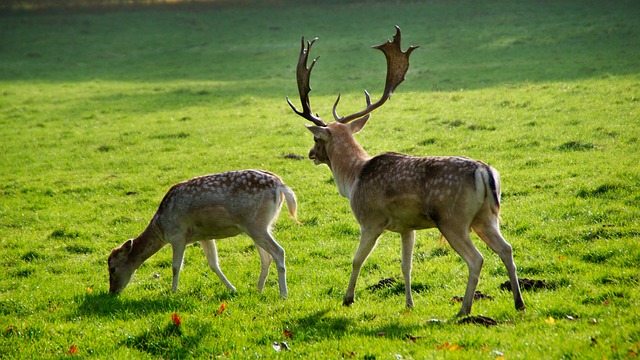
x,y
105,304
167,340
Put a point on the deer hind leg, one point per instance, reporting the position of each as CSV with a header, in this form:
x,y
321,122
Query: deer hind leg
x,y
265,262
489,232
264,240
368,240
408,242
460,241
211,253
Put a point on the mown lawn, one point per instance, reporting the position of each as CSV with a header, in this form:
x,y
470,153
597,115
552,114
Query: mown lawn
x,y
101,112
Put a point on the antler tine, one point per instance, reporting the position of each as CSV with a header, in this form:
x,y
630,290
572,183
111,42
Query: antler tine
x,y
302,76
397,66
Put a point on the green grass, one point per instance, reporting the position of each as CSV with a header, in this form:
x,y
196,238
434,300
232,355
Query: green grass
x,y
100,113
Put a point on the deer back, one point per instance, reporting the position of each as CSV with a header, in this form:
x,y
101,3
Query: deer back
x,y
417,192
220,205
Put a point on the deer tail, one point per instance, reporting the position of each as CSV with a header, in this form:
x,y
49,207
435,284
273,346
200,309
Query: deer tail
x,y
290,198
494,188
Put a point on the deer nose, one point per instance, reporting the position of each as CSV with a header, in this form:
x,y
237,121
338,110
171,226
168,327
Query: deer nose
x,y
312,154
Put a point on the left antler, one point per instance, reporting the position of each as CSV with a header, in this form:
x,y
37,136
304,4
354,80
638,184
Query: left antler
x,y
397,66
302,76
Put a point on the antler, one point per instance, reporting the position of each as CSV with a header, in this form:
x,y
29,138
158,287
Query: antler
x,y
302,75
397,66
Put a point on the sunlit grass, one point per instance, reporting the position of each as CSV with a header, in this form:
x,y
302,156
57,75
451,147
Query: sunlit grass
x,y
101,113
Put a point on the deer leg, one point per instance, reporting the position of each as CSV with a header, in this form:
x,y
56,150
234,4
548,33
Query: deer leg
x,y
265,241
490,234
211,253
368,240
178,258
459,240
408,242
265,262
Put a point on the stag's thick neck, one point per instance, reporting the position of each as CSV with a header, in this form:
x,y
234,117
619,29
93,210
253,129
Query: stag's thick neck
x,y
347,158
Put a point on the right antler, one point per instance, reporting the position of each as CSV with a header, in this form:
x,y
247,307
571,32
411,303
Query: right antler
x,y
397,66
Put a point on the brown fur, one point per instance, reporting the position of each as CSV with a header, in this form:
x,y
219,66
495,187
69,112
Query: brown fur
x,y
205,208
402,193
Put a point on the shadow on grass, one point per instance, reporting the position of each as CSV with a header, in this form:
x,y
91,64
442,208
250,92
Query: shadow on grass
x,y
320,324
462,46
170,342
110,305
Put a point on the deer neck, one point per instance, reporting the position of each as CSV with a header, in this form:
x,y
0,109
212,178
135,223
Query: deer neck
x,y
146,244
347,158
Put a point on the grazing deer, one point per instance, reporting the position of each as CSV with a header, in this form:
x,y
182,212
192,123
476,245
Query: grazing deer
x,y
402,193
206,208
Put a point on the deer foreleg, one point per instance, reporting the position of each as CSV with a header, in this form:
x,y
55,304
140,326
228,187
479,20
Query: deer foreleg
x,y
367,243
211,253
408,242
178,258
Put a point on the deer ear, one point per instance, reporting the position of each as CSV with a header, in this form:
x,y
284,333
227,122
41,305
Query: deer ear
x,y
320,132
126,247
357,125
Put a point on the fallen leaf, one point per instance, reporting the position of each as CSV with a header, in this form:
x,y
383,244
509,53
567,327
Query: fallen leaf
x,y
222,308
448,346
550,321
382,333
73,350
288,334
89,290
176,320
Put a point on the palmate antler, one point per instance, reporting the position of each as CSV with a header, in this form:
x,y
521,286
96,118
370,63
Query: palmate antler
x,y
397,66
302,76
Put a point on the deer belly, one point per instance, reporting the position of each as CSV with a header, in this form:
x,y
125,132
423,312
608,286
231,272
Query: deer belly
x,y
212,223
212,231
401,219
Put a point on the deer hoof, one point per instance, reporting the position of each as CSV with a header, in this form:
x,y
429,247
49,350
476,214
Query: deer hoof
x,y
347,301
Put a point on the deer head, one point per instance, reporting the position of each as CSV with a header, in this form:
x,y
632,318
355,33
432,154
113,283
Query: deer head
x,y
336,137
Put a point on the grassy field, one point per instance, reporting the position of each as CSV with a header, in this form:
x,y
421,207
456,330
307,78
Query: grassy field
x,y
100,113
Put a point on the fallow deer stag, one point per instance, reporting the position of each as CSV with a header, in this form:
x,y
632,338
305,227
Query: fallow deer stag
x,y
205,208
402,193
